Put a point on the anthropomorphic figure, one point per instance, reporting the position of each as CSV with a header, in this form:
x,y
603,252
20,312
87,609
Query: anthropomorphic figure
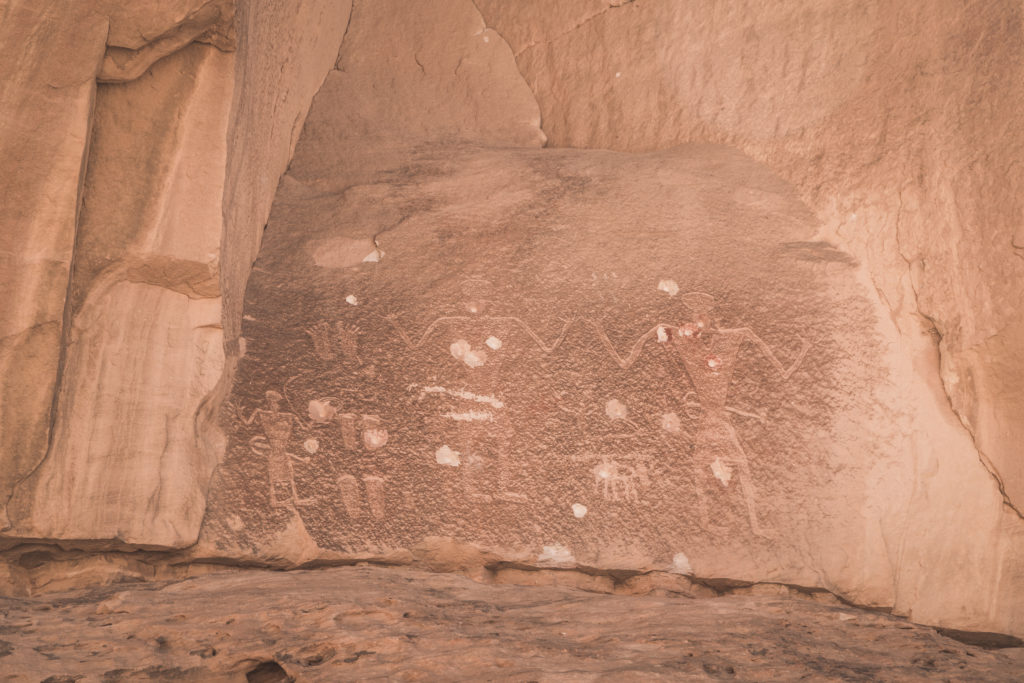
x,y
277,433
473,418
708,354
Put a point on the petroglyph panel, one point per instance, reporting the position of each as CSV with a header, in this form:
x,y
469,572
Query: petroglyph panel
x,y
605,354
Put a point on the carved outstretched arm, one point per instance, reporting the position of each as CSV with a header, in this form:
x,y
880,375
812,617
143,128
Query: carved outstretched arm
x,y
637,348
546,348
773,359
246,422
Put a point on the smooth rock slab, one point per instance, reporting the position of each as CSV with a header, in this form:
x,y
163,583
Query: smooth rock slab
x,y
363,623
482,344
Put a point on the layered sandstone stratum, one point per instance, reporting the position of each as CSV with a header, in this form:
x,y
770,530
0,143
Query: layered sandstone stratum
x,y
725,291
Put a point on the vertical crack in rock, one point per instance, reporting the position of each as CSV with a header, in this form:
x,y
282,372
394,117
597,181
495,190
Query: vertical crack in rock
x,y
337,60
515,60
66,316
985,461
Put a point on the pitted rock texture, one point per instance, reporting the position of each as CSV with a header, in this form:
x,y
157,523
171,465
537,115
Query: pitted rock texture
x,y
363,623
616,361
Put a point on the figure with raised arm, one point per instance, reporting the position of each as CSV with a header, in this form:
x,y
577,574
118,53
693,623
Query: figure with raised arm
x,y
277,433
472,421
708,353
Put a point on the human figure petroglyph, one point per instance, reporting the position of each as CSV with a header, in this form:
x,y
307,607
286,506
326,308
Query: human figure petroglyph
x,y
348,486
480,435
277,432
708,355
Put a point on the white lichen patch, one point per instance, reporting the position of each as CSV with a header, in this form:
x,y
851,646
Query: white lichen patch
x,y
681,564
670,423
616,409
578,510
351,299
668,286
722,472
446,456
493,342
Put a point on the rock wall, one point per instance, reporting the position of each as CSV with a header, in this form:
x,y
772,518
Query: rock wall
x,y
143,201
894,527
109,395
897,123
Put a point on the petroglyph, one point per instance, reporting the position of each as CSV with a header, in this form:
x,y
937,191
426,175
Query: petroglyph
x,y
618,482
273,445
331,341
708,357
459,393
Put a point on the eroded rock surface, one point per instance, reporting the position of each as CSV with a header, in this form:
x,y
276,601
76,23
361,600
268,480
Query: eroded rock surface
x,y
361,623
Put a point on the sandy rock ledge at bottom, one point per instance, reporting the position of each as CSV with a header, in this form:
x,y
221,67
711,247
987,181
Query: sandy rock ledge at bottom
x,y
367,622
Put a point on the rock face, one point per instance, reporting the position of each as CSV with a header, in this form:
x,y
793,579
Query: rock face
x,y
46,103
106,403
898,125
450,342
656,340
756,358
363,623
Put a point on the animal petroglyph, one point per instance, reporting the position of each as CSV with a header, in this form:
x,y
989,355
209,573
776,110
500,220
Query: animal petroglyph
x,y
616,481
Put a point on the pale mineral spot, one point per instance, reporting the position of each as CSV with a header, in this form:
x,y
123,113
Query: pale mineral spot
x,y
493,342
321,411
235,522
446,456
579,510
662,334
463,394
681,564
374,256
311,445
722,471
462,350
374,438
351,299
556,554
668,286
670,423
616,409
